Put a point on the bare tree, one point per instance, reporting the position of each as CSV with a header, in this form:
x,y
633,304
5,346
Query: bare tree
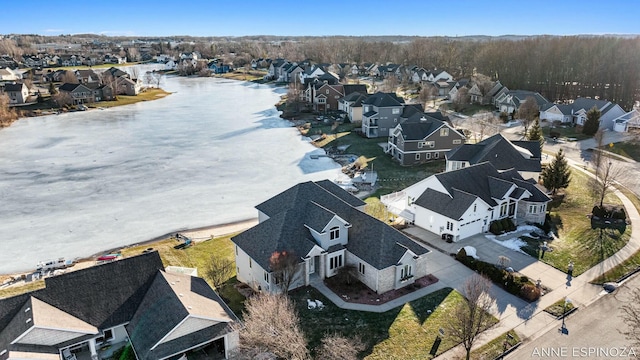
x,y
527,112
63,99
485,124
285,267
472,316
608,172
271,328
631,318
336,347
294,95
69,77
219,270
7,114
390,83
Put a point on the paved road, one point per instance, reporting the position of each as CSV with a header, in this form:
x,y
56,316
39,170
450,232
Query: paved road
x,y
592,332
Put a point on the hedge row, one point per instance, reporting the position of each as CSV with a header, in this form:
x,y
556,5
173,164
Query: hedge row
x,y
517,285
497,227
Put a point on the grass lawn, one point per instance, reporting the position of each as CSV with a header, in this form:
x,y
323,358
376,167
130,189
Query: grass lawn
x,y
406,332
391,175
577,241
17,290
495,347
476,108
557,308
628,149
566,132
149,94
252,75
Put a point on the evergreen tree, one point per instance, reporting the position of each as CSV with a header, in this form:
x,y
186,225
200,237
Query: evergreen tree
x,y
535,133
557,174
592,123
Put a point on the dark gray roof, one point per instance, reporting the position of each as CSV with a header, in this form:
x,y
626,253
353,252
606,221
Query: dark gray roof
x,y
411,109
421,129
13,87
500,152
485,182
103,296
353,88
369,113
162,310
68,87
441,203
381,99
311,203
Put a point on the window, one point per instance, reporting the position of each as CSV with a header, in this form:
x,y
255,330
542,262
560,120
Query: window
x,y
108,334
456,141
266,277
334,233
449,226
361,268
335,262
405,272
444,132
236,250
327,91
475,207
503,209
436,155
395,111
250,263
427,156
418,156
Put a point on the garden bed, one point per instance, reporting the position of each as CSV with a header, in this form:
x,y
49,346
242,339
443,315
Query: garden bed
x,y
357,292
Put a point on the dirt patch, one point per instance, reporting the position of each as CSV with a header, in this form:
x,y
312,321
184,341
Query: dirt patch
x,y
358,293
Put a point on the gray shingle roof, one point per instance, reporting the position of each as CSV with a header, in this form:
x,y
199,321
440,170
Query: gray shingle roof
x,y
370,239
13,87
381,99
500,152
441,203
421,129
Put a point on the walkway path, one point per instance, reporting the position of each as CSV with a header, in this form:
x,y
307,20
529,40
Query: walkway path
x,y
528,319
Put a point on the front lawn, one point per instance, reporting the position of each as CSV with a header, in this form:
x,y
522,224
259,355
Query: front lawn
x,y
391,175
148,94
568,132
576,240
406,332
628,149
559,308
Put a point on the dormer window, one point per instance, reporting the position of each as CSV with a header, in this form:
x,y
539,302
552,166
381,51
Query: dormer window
x,y
334,233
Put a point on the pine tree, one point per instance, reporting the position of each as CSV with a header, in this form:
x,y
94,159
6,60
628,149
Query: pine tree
x,y
535,133
557,174
592,124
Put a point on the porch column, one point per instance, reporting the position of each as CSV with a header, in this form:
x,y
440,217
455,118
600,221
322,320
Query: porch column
x,y
306,271
92,349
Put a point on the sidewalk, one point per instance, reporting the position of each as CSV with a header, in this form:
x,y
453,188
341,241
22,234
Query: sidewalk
x,y
578,290
528,319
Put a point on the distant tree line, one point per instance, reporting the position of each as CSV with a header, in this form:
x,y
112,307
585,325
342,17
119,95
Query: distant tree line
x,y
558,67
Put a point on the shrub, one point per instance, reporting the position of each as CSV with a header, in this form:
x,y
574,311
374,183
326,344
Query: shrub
x,y
530,292
524,279
619,214
554,134
598,211
495,227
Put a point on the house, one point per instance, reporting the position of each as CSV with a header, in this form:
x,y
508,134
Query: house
x,y
7,74
18,93
483,94
576,112
90,313
456,90
78,92
87,76
293,73
217,67
127,86
311,73
275,69
628,121
327,229
464,202
510,101
523,156
420,140
440,75
352,105
380,114
326,96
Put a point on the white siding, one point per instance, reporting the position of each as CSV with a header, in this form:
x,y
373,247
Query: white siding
x,y
189,326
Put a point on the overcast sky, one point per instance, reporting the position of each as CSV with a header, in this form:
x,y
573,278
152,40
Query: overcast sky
x,y
329,17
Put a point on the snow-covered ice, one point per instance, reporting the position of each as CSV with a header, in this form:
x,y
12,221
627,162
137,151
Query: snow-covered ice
x,y
75,184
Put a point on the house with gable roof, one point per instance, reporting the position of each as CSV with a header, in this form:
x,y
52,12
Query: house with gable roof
x,y
380,114
18,93
327,229
422,138
351,104
630,120
510,101
576,112
90,313
523,156
464,202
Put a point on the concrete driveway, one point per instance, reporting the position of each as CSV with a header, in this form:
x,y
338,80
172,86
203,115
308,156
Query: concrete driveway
x,y
489,248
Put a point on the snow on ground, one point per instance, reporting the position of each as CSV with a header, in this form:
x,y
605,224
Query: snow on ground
x,y
76,184
511,240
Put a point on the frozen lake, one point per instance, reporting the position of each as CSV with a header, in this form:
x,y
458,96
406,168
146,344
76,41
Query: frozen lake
x,y
76,184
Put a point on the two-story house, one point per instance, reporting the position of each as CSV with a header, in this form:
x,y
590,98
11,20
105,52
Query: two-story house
x,y
381,113
326,228
464,202
521,155
92,312
18,93
78,92
510,101
351,104
422,138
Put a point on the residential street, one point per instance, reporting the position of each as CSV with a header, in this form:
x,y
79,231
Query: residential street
x,y
591,332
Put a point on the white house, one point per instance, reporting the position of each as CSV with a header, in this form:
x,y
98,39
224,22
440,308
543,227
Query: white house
x,y
464,202
327,229
576,112
624,123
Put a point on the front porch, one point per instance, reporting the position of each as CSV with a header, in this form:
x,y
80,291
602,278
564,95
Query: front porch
x,y
83,351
